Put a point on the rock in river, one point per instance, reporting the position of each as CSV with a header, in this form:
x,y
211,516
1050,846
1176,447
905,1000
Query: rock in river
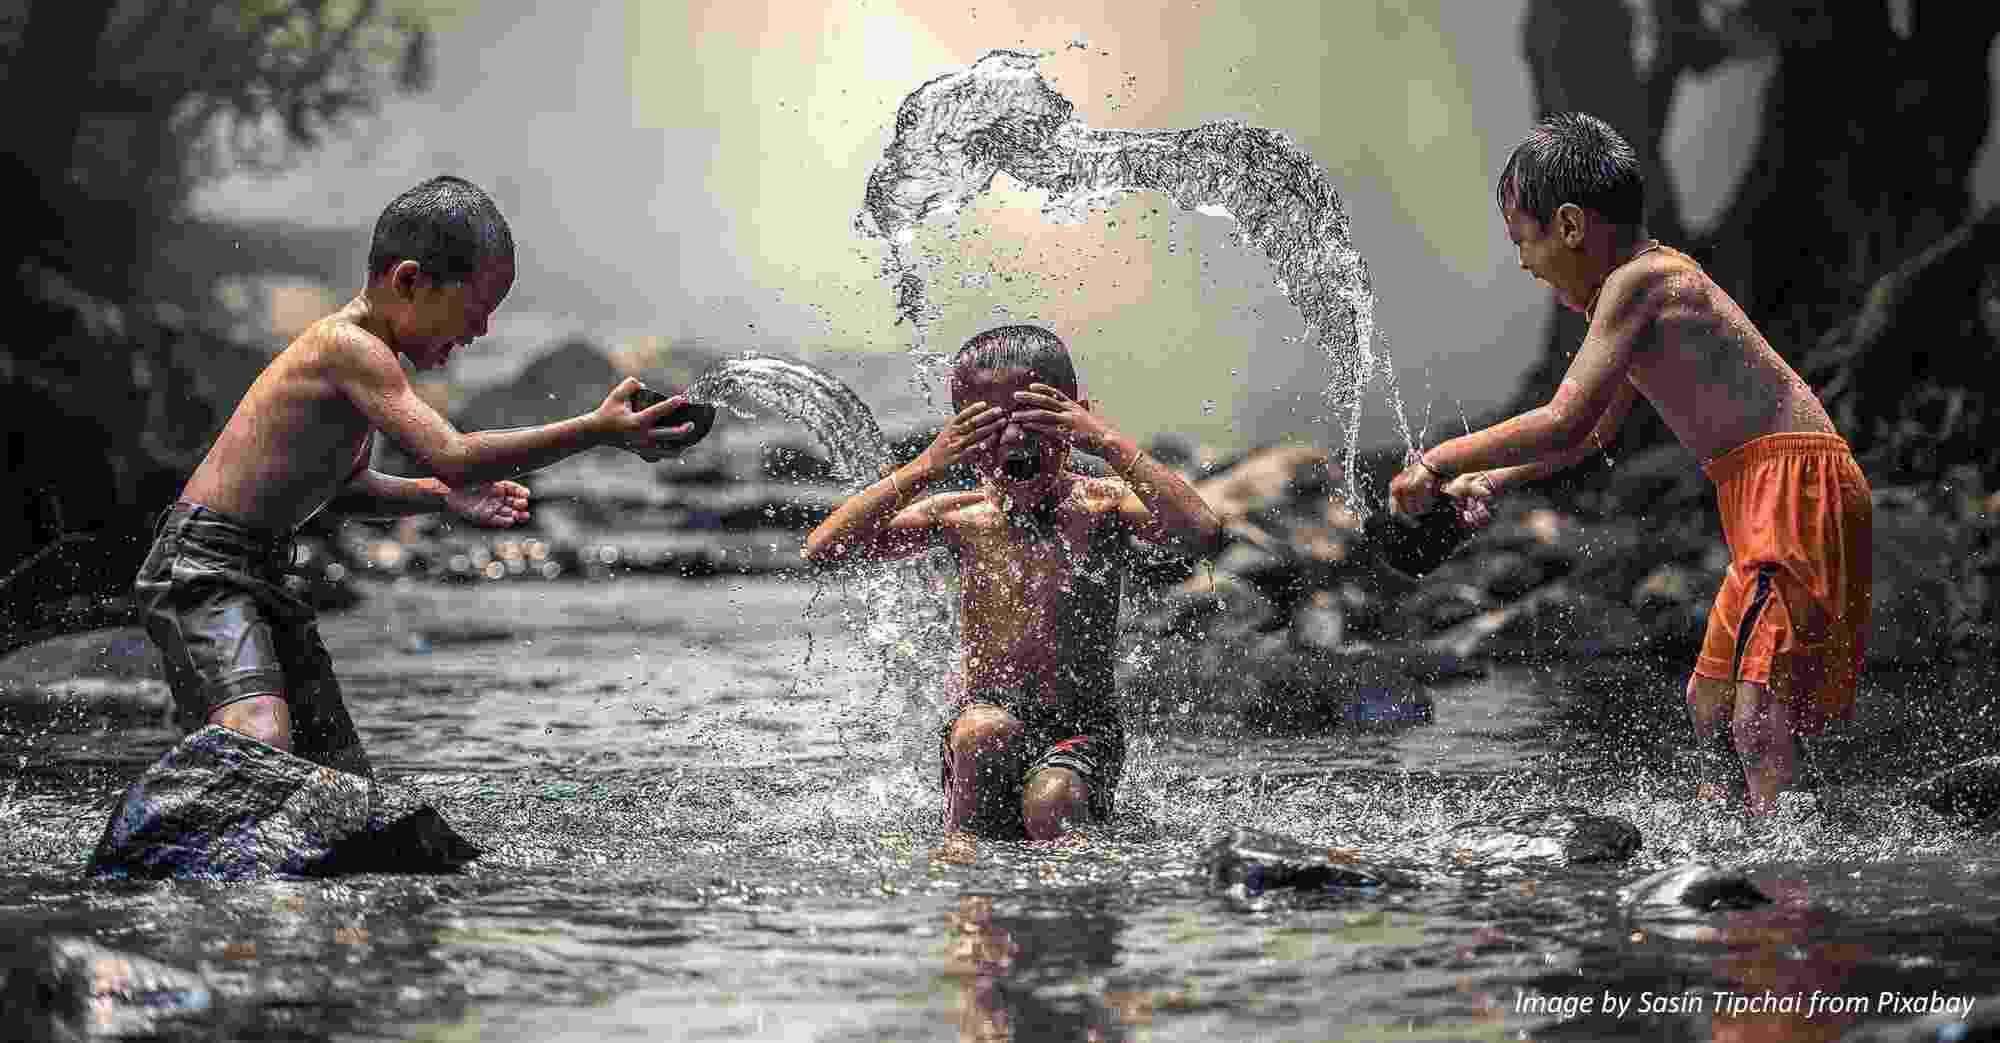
x,y
1564,835
59,987
222,805
1691,886
1254,862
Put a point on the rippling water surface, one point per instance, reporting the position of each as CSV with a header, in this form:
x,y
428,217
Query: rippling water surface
x,y
700,827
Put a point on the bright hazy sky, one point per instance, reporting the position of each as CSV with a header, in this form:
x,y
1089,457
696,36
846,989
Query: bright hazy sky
x,y
694,168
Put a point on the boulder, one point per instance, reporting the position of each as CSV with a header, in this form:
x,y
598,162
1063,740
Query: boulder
x,y
1250,862
1264,479
1563,835
58,987
221,805
1691,886
1556,621
1919,561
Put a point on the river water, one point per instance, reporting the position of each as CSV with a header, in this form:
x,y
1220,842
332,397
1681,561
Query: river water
x,y
699,826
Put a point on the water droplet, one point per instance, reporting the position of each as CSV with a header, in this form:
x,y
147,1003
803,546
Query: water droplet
x,y
1207,407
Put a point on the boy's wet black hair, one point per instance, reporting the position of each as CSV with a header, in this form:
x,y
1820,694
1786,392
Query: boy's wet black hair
x,y
1030,348
447,225
1573,157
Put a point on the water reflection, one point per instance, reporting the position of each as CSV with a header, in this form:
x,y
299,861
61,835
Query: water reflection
x,y
1786,971
1036,973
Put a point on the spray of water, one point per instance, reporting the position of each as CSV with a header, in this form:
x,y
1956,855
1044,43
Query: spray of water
x,y
807,396
905,611
956,132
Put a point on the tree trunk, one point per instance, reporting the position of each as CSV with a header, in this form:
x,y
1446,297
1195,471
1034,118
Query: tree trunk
x,y
1866,145
53,67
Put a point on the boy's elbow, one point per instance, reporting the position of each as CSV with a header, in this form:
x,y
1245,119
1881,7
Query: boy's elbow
x,y
452,464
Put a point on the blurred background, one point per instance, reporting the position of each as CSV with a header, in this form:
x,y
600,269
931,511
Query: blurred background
x,y
682,178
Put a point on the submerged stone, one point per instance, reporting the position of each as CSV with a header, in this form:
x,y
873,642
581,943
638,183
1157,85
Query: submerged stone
x,y
60,987
1252,861
1691,886
1968,790
222,805
1556,834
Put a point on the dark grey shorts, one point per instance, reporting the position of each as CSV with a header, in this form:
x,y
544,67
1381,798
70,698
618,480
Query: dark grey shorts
x,y
1091,745
212,595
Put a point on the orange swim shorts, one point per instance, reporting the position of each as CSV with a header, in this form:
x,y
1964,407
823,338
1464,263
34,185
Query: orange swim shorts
x,y
1793,610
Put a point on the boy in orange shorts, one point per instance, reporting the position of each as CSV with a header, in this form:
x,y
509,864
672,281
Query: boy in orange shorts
x,y
1786,636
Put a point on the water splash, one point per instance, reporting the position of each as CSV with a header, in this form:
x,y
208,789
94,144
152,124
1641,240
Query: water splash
x,y
806,395
954,133
908,610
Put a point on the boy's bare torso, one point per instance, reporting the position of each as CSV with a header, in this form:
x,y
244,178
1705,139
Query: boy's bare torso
x,y
292,443
1714,379
1039,602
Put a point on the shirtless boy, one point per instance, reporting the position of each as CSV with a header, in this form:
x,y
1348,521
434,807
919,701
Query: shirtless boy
x,y
240,649
1788,629
1037,744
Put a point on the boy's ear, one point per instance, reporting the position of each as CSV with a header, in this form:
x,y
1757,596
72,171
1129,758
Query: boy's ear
x,y
407,277
1570,221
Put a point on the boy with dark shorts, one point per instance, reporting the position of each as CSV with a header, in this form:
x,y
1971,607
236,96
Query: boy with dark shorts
x,y
241,650
1787,633
1037,744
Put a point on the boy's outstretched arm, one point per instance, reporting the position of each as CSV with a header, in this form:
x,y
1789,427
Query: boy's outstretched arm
x,y
367,372
872,525
1494,481
1161,506
1595,380
494,505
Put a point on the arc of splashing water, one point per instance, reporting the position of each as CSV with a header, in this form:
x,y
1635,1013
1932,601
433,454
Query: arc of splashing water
x,y
954,133
912,627
806,395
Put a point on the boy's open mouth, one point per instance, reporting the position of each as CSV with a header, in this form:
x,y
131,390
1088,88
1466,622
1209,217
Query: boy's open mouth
x,y
1021,464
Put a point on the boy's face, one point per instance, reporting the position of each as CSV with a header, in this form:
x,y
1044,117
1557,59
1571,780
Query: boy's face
x,y
1023,464
1553,252
440,316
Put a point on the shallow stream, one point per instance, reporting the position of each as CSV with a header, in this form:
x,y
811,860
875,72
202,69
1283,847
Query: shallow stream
x,y
699,827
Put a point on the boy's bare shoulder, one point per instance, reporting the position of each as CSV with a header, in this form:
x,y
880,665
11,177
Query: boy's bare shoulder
x,y
1652,282
340,344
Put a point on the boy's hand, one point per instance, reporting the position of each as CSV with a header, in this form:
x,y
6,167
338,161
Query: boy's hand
x,y
635,430
1474,495
975,426
1411,492
495,505
1050,412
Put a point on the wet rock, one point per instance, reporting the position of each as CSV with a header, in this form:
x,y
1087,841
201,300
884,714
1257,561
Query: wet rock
x,y
1209,601
1441,605
1264,479
1565,835
60,987
1969,790
1663,481
1691,886
1318,622
1919,557
1556,621
1250,862
221,805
